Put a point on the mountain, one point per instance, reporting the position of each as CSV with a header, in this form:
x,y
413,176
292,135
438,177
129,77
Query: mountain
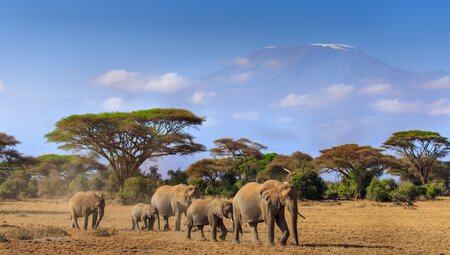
x,y
317,95
309,66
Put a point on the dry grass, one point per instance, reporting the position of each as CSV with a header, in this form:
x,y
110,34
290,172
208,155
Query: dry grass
x,y
344,227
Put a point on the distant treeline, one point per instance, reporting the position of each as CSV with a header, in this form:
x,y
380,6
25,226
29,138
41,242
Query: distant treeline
x,y
127,140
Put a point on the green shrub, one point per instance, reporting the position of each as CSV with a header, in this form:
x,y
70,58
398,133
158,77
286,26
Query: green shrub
x,y
406,193
332,191
380,190
309,185
137,189
200,183
432,190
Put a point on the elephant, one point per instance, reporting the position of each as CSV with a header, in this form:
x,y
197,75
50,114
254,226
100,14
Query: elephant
x,y
145,213
84,204
173,201
255,203
208,212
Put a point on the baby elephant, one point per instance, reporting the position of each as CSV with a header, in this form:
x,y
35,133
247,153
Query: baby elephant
x,y
145,213
203,212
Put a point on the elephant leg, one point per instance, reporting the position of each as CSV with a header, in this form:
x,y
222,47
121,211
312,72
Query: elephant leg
x,y
236,227
213,222
144,220
94,219
223,229
270,222
166,223
178,221
150,223
133,223
254,229
281,223
202,237
188,229
86,221
75,222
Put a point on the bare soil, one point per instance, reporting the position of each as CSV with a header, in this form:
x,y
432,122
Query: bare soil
x,y
345,227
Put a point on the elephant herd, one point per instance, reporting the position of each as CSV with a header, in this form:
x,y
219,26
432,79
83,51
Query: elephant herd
x,y
254,203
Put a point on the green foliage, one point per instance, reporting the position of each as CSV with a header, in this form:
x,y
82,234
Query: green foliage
x,y
309,185
380,190
406,193
137,189
432,190
331,191
176,177
200,183
17,186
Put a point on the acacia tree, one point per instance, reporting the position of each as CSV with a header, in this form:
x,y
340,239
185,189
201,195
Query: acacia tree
x,y
10,158
240,152
357,165
282,167
127,139
211,169
420,148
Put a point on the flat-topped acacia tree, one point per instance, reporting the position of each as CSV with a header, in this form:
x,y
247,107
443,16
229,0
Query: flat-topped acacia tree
x,y
421,148
127,139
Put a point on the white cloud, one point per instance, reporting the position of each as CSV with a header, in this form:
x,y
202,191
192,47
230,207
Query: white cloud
x,y
441,83
301,100
211,121
437,107
243,62
2,86
272,64
246,115
113,104
338,91
397,106
133,81
329,95
199,96
285,120
376,89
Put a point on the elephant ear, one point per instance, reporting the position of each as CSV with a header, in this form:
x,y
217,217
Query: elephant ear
x,y
226,208
270,193
191,191
285,189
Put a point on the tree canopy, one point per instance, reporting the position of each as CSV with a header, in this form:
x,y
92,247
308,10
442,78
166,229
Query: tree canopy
x,y
356,164
420,148
282,167
127,139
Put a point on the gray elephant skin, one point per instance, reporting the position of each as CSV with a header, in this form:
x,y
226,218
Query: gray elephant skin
x,y
208,212
83,204
255,203
173,201
145,213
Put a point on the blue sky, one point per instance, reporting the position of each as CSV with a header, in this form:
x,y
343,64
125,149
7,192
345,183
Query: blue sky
x,y
53,53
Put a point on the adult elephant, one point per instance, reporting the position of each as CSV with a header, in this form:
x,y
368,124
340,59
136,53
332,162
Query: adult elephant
x,y
173,201
255,203
83,204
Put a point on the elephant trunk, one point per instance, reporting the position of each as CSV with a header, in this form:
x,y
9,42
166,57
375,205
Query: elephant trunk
x,y
101,212
293,209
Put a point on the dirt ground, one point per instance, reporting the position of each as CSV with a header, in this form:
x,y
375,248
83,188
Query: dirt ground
x,y
346,227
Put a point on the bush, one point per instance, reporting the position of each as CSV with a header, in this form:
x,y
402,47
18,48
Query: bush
x,y
30,233
432,190
309,185
332,191
380,190
406,193
137,189
200,183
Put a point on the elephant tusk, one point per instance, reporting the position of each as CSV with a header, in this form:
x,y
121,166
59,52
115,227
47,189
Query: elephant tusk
x,y
287,170
232,220
301,215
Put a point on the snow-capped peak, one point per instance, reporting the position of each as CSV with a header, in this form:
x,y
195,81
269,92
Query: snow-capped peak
x,y
334,46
